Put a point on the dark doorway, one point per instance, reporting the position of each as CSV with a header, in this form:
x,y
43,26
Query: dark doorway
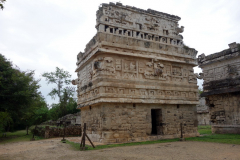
x,y
157,125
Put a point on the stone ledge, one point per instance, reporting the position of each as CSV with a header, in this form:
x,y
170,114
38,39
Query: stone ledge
x,y
226,129
139,139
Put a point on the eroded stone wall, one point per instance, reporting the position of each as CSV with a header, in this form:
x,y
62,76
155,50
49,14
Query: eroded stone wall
x,y
117,123
225,108
203,118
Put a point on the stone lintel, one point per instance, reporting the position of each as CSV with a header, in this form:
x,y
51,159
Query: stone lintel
x,y
221,91
139,101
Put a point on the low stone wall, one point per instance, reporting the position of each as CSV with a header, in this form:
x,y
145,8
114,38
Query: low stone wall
x,y
226,129
121,123
48,132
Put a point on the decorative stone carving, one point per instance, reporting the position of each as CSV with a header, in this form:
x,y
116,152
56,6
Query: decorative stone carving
x,y
179,30
201,58
192,77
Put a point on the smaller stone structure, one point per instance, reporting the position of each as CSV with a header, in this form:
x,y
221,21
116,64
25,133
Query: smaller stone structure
x,y
203,112
70,119
221,75
50,132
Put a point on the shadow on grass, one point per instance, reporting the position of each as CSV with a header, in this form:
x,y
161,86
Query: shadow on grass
x,y
18,136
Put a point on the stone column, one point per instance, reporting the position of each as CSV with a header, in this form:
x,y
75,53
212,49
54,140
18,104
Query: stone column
x,y
101,28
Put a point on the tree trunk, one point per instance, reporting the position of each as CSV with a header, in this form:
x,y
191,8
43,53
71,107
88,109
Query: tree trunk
x,y
8,127
27,130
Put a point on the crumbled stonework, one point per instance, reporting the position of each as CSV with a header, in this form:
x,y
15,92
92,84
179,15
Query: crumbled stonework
x,y
137,64
50,132
203,112
222,88
69,119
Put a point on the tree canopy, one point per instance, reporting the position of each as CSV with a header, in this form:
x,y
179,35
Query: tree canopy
x,y
19,94
22,105
60,78
1,4
65,93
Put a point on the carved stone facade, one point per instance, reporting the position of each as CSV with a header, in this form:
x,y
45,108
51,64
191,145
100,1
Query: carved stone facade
x,y
222,88
135,77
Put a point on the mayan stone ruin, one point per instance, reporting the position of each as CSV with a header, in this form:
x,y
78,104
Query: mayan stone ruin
x,y
135,77
221,75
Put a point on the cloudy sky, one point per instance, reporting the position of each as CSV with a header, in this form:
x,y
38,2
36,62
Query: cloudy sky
x,y
43,34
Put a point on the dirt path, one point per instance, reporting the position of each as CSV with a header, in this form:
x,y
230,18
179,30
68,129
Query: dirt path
x,y
53,149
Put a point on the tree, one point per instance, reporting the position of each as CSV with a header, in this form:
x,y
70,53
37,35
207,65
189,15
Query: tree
x,y
36,113
59,77
1,4
18,92
5,120
200,90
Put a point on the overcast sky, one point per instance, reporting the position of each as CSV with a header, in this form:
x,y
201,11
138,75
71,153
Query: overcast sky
x,y
43,34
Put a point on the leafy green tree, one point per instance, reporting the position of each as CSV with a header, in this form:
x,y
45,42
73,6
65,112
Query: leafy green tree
x,y
55,112
60,78
18,92
67,106
65,93
36,113
1,4
41,115
5,120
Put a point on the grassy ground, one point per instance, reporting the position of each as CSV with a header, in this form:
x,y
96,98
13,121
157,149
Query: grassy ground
x,y
205,129
17,136
207,136
205,132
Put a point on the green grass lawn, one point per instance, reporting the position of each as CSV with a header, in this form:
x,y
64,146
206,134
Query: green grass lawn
x,y
17,136
207,136
218,138
205,129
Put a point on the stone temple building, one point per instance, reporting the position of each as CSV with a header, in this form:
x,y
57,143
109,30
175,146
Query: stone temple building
x,y
135,77
221,87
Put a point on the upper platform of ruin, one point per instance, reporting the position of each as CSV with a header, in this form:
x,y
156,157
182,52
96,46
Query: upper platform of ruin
x,y
128,17
135,28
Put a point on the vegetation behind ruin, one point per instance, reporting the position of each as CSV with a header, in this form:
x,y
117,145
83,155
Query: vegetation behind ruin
x,y
22,104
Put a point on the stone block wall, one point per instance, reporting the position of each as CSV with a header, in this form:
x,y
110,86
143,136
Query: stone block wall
x,y
203,118
224,108
48,132
117,123
226,129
